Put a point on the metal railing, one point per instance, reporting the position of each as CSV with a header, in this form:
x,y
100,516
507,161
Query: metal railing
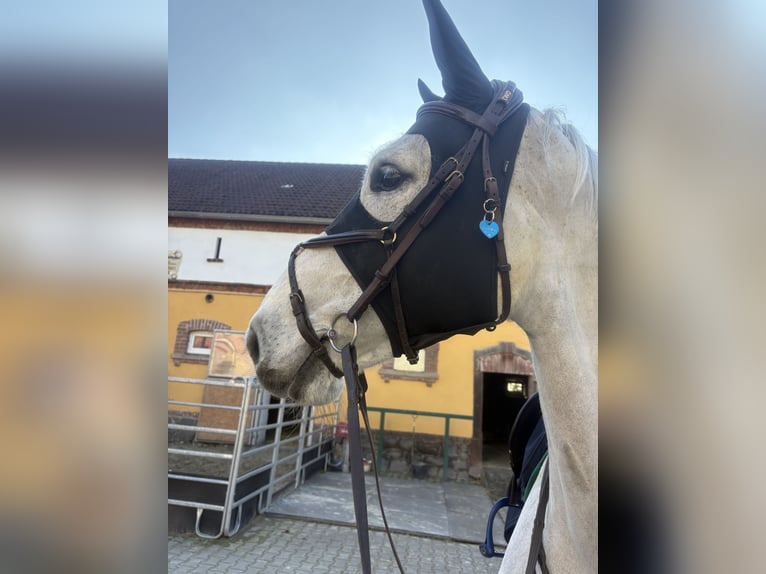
x,y
446,416
273,455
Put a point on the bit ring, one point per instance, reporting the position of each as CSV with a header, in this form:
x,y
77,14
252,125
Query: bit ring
x,y
332,334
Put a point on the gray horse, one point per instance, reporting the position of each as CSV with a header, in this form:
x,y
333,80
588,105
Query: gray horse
x,y
550,227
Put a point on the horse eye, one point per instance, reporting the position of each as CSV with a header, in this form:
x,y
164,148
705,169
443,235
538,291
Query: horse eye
x,y
388,179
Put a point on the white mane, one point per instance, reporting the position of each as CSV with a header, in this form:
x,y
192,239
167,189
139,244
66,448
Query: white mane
x,y
587,159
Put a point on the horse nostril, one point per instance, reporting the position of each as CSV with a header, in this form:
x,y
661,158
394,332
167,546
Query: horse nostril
x,y
251,341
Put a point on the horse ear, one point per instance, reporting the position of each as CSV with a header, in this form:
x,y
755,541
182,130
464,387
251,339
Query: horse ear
x,y
464,82
426,93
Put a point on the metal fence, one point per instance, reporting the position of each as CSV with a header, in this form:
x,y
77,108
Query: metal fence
x,y
240,451
446,416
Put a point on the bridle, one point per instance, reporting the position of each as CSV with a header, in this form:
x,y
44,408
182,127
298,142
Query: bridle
x,y
439,189
397,238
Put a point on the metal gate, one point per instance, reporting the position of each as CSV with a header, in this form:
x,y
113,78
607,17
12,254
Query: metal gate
x,y
230,467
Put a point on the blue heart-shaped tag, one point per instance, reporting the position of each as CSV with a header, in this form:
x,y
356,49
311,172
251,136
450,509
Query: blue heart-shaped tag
x,y
488,228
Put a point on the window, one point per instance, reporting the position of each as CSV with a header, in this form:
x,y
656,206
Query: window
x,y
194,340
425,370
200,343
402,364
516,386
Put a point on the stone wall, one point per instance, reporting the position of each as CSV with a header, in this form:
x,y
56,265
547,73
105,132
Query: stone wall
x,y
408,455
405,455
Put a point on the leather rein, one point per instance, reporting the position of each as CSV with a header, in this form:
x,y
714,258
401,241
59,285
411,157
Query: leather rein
x,y
447,179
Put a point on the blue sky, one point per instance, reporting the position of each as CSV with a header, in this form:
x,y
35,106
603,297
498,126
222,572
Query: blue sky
x,y
330,81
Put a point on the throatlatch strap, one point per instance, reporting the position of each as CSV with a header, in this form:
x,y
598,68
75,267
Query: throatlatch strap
x,y
503,267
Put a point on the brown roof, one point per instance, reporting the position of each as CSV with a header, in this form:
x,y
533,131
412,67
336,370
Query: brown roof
x,y
260,189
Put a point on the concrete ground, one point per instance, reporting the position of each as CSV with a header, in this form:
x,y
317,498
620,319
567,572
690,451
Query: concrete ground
x,y
438,527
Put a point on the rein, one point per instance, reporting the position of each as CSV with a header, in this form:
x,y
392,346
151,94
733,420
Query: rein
x,y
396,240
356,387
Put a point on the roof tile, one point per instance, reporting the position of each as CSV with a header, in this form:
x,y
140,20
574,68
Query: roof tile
x,y
264,188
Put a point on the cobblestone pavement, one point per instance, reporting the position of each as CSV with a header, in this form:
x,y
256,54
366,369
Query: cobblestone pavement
x,y
270,544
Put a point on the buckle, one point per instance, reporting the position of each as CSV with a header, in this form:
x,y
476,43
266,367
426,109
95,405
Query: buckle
x,y
297,302
454,173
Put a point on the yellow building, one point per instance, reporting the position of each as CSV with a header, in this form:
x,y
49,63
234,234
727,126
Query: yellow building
x,y
232,225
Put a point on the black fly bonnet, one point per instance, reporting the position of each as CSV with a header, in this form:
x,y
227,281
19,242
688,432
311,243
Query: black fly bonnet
x,y
427,286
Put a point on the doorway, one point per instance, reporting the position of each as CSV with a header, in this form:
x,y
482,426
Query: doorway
x,y
503,379
503,396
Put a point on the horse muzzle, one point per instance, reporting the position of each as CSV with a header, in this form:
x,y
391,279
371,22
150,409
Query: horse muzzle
x,y
303,379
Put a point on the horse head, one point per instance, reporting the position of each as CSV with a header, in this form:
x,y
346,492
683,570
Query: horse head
x,y
450,279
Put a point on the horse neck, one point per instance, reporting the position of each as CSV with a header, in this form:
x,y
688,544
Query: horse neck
x,y
564,346
563,337
555,288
